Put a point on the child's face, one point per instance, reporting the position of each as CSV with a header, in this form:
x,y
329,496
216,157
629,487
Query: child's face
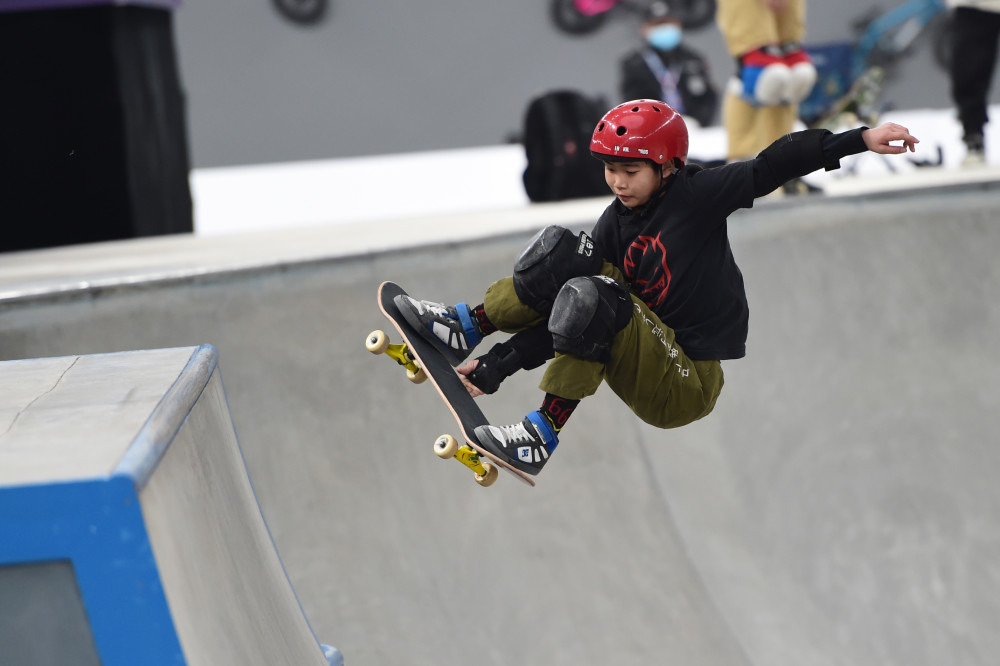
x,y
634,183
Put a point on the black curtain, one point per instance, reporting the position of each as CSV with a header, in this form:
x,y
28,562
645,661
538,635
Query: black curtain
x,y
93,137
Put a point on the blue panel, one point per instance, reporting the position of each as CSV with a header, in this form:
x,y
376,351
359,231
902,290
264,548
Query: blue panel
x,y
97,525
833,79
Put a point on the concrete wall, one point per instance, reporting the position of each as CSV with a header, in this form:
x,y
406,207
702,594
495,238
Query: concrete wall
x,y
387,76
837,508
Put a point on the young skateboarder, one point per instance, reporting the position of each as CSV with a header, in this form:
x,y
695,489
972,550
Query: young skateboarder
x,y
650,302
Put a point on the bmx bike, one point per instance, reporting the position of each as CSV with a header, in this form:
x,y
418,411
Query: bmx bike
x,y
581,17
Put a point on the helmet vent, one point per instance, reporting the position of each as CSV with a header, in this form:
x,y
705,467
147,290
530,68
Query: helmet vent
x,y
621,131
635,109
600,128
657,109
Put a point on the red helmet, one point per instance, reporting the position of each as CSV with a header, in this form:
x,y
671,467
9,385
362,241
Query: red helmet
x,y
641,129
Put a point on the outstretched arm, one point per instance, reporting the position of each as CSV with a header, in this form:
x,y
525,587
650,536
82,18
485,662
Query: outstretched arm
x,y
878,139
800,153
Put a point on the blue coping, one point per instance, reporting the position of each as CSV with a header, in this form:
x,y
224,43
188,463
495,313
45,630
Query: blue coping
x,y
168,416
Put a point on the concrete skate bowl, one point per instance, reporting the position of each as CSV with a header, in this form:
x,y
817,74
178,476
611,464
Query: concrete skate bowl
x,y
838,507
129,531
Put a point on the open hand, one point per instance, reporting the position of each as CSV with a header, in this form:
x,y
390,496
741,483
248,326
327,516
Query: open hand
x,y
877,139
464,370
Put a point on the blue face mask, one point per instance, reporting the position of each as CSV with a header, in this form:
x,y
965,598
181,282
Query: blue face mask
x,y
665,37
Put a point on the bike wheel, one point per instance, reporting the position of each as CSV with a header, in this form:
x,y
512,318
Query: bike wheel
x,y
568,19
697,13
304,12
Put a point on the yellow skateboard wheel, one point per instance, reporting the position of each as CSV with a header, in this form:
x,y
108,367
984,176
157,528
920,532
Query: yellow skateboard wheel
x,y
446,446
488,479
377,342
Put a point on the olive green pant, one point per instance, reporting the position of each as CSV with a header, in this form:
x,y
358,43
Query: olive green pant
x,y
647,369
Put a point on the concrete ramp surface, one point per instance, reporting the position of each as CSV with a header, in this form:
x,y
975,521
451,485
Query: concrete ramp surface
x,y
125,467
840,507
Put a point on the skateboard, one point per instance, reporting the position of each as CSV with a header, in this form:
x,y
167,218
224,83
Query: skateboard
x,y
423,361
860,104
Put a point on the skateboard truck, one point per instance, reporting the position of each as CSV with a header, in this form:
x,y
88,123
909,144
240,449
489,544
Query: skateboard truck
x,y
378,343
447,446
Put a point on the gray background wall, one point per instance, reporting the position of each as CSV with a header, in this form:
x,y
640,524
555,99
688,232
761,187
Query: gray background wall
x,y
388,76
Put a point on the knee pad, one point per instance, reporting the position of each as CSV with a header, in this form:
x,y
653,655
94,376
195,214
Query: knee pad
x,y
552,257
586,316
764,76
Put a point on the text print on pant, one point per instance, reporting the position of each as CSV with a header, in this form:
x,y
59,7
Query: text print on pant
x,y
658,331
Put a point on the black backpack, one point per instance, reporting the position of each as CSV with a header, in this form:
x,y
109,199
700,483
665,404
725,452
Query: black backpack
x,y
557,130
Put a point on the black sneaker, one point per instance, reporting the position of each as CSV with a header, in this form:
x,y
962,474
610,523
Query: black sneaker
x,y
526,445
451,329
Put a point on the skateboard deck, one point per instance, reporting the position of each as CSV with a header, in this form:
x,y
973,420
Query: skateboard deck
x,y
421,358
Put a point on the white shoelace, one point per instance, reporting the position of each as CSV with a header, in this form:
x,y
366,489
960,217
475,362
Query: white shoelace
x,y
438,309
516,433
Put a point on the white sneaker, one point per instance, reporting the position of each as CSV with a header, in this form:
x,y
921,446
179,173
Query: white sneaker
x,y
451,329
525,445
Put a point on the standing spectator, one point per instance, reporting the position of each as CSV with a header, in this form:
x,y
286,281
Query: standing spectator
x,y
975,36
774,73
664,68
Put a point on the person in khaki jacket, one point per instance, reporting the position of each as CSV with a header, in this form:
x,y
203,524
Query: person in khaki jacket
x,y
774,73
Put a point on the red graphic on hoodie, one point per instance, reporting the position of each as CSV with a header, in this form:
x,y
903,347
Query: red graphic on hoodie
x,y
646,268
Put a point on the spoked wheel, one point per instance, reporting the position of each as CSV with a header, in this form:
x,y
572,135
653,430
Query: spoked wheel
x,y
569,19
696,13
304,12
